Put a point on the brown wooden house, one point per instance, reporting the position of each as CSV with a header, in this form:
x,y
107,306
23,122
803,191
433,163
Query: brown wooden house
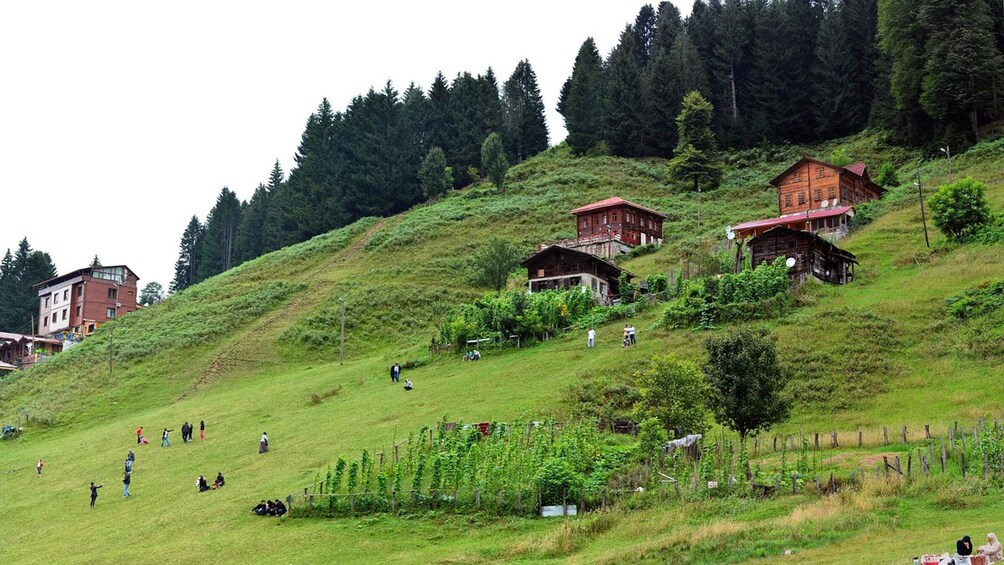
x,y
612,226
558,267
80,301
816,196
813,255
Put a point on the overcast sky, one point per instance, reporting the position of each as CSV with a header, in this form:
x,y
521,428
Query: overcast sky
x,y
120,120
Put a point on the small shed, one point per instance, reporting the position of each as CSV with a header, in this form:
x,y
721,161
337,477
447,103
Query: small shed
x,y
558,267
813,255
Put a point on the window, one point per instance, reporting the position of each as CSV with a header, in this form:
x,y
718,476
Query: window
x,y
112,293
540,273
817,194
90,328
820,173
109,312
787,200
603,220
45,321
47,301
54,318
64,313
613,217
66,294
55,298
585,222
78,311
831,192
801,198
798,176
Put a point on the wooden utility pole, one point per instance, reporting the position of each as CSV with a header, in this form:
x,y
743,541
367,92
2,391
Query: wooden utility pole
x,y
341,346
923,216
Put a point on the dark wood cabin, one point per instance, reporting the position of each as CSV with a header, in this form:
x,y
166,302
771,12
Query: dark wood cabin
x,y
816,196
814,256
619,221
558,267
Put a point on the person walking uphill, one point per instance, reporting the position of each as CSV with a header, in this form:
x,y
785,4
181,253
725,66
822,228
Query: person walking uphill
x,y
94,493
591,338
202,430
38,468
165,438
125,484
263,444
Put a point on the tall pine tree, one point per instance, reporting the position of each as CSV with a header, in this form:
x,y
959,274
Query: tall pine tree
x,y
524,127
584,112
186,268
624,126
219,246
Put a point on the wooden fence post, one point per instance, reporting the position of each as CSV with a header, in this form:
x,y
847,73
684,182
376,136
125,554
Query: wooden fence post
x,y
963,464
927,431
833,442
885,465
899,470
393,501
794,484
885,435
817,441
775,443
860,438
909,464
904,434
951,439
477,497
381,460
430,437
395,454
944,457
924,466
985,464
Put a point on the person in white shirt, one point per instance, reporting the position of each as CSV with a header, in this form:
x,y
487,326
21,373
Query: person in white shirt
x,y
591,339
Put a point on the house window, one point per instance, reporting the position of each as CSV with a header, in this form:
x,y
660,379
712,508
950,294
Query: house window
x,y
45,321
585,222
46,301
90,328
112,293
801,198
831,192
64,314
787,200
819,172
817,194
109,312
540,273
614,217
66,294
78,311
798,176
54,318
603,220
55,298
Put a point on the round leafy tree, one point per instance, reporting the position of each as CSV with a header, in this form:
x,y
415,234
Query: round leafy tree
x,y
960,209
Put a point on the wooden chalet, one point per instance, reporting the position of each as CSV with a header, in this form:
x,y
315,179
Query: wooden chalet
x,y
20,351
613,226
558,267
814,256
816,196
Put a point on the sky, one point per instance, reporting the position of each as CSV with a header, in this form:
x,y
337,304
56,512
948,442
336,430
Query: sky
x,y
119,120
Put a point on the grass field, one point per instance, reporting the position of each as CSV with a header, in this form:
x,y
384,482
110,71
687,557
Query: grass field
x,y
245,350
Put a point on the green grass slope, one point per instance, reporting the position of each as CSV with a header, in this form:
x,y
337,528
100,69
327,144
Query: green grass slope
x,y
245,350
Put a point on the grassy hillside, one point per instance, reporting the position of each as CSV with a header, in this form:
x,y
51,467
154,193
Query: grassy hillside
x,y
245,350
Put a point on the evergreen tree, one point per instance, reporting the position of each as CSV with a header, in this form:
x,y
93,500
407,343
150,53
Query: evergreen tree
x,y
860,19
272,213
18,275
438,114
467,127
38,268
801,21
186,268
95,262
219,245
694,159
772,114
493,160
312,199
643,32
833,77
8,293
584,115
671,76
250,232
412,139
902,38
963,68
524,126
435,175
566,87
668,24
731,50
624,125
151,294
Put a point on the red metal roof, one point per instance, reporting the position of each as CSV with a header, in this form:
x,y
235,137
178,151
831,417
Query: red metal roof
x,y
791,218
857,168
610,203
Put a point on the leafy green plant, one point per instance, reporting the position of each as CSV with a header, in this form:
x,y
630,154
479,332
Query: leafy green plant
x,y
960,209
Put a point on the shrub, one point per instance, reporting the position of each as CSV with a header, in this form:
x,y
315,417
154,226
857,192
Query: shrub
x,y
557,481
887,176
960,209
673,392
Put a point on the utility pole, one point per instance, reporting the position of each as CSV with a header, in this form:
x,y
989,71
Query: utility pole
x,y
111,334
923,216
341,346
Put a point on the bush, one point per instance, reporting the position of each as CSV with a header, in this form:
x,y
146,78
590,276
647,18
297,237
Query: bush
x,y
673,392
960,209
757,293
557,481
887,176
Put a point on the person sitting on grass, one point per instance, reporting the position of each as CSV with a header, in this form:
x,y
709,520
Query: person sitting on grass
x,y
279,507
408,385
992,550
260,509
219,482
201,483
963,549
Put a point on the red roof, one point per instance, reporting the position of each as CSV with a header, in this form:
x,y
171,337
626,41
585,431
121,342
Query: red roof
x,y
791,218
857,168
610,203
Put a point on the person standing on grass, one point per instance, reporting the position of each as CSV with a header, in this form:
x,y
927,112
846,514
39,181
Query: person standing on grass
x,y
632,335
39,468
393,377
125,484
130,459
202,430
139,435
591,338
165,439
263,444
94,493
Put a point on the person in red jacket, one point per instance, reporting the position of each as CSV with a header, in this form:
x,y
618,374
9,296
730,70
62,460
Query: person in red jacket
x,y
139,434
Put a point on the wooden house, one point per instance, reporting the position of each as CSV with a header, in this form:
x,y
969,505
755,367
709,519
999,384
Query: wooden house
x,y
81,300
20,351
613,226
816,196
813,255
558,267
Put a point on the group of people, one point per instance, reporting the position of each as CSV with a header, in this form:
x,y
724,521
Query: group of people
x,y
395,373
203,485
270,508
473,355
964,550
187,429
629,336
127,479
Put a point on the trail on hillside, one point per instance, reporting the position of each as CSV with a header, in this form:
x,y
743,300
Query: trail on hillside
x,y
253,347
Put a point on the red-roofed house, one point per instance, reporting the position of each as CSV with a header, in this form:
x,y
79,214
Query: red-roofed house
x,y
816,196
613,226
